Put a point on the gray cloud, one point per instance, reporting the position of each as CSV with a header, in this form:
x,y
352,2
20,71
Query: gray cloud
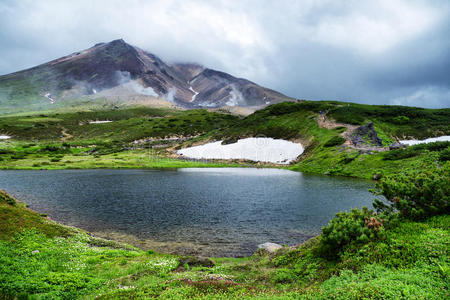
x,y
383,52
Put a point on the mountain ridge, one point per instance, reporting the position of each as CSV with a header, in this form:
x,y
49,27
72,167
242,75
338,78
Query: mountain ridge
x,y
131,72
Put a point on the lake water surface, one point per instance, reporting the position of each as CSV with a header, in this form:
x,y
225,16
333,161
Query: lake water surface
x,y
215,212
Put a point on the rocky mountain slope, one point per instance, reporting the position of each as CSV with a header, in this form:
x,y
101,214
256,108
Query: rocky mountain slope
x,y
117,70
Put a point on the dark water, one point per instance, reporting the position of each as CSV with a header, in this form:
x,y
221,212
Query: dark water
x,y
216,212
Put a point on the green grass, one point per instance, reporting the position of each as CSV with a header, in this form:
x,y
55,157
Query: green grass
x,y
42,259
131,159
128,124
65,139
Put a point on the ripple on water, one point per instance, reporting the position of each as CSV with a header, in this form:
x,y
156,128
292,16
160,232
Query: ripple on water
x,y
214,212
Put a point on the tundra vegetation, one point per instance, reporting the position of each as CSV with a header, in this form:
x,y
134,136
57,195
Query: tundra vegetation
x,y
143,137
399,249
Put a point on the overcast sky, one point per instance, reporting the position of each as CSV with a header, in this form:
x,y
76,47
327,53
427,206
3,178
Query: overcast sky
x,y
377,52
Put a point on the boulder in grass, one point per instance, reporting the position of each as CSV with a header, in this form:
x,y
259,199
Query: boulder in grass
x,y
396,145
269,247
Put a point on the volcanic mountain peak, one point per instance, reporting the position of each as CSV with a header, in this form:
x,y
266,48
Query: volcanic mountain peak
x,y
117,70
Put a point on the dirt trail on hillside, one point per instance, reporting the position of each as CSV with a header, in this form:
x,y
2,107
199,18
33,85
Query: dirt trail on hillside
x,y
329,123
64,135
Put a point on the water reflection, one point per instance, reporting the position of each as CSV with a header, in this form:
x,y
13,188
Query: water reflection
x,y
217,212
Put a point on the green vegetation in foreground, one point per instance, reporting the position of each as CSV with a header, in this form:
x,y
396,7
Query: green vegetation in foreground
x,y
65,139
360,255
129,159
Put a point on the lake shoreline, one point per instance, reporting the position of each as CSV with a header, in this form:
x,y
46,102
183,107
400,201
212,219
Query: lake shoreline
x,y
163,163
265,205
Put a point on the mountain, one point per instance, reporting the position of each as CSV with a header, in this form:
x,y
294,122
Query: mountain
x,y
119,71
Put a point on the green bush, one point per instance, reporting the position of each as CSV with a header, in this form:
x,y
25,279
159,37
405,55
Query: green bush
x,y
400,153
444,155
51,148
400,120
335,141
354,227
416,150
416,194
283,275
283,108
5,198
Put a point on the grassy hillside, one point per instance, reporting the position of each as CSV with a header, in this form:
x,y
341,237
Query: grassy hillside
x,y
299,121
69,140
66,139
290,119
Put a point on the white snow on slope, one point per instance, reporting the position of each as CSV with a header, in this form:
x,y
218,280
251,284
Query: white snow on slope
x,y
195,93
49,97
444,138
99,122
256,149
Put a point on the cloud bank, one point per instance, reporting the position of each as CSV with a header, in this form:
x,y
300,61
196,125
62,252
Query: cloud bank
x,y
378,52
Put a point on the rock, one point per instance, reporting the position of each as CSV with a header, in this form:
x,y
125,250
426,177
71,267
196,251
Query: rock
x,y
229,141
270,247
199,261
377,176
396,145
366,135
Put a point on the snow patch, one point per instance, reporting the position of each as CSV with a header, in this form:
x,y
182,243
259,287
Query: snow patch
x,y
445,138
49,97
4,137
99,122
255,149
195,93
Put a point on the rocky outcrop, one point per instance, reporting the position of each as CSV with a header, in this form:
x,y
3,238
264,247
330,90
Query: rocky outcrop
x,y
365,135
229,141
396,145
269,247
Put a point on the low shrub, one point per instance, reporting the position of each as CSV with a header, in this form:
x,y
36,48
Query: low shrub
x,y
400,120
416,194
283,108
283,275
51,148
354,227
416,150
5,198
444,155
398,154
6,151
349,157
335,141
18,156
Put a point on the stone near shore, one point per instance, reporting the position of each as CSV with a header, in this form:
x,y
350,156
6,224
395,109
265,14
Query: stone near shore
x,y
396,145
269,247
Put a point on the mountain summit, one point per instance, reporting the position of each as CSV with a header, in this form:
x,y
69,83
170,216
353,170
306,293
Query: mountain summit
x,y
118,70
